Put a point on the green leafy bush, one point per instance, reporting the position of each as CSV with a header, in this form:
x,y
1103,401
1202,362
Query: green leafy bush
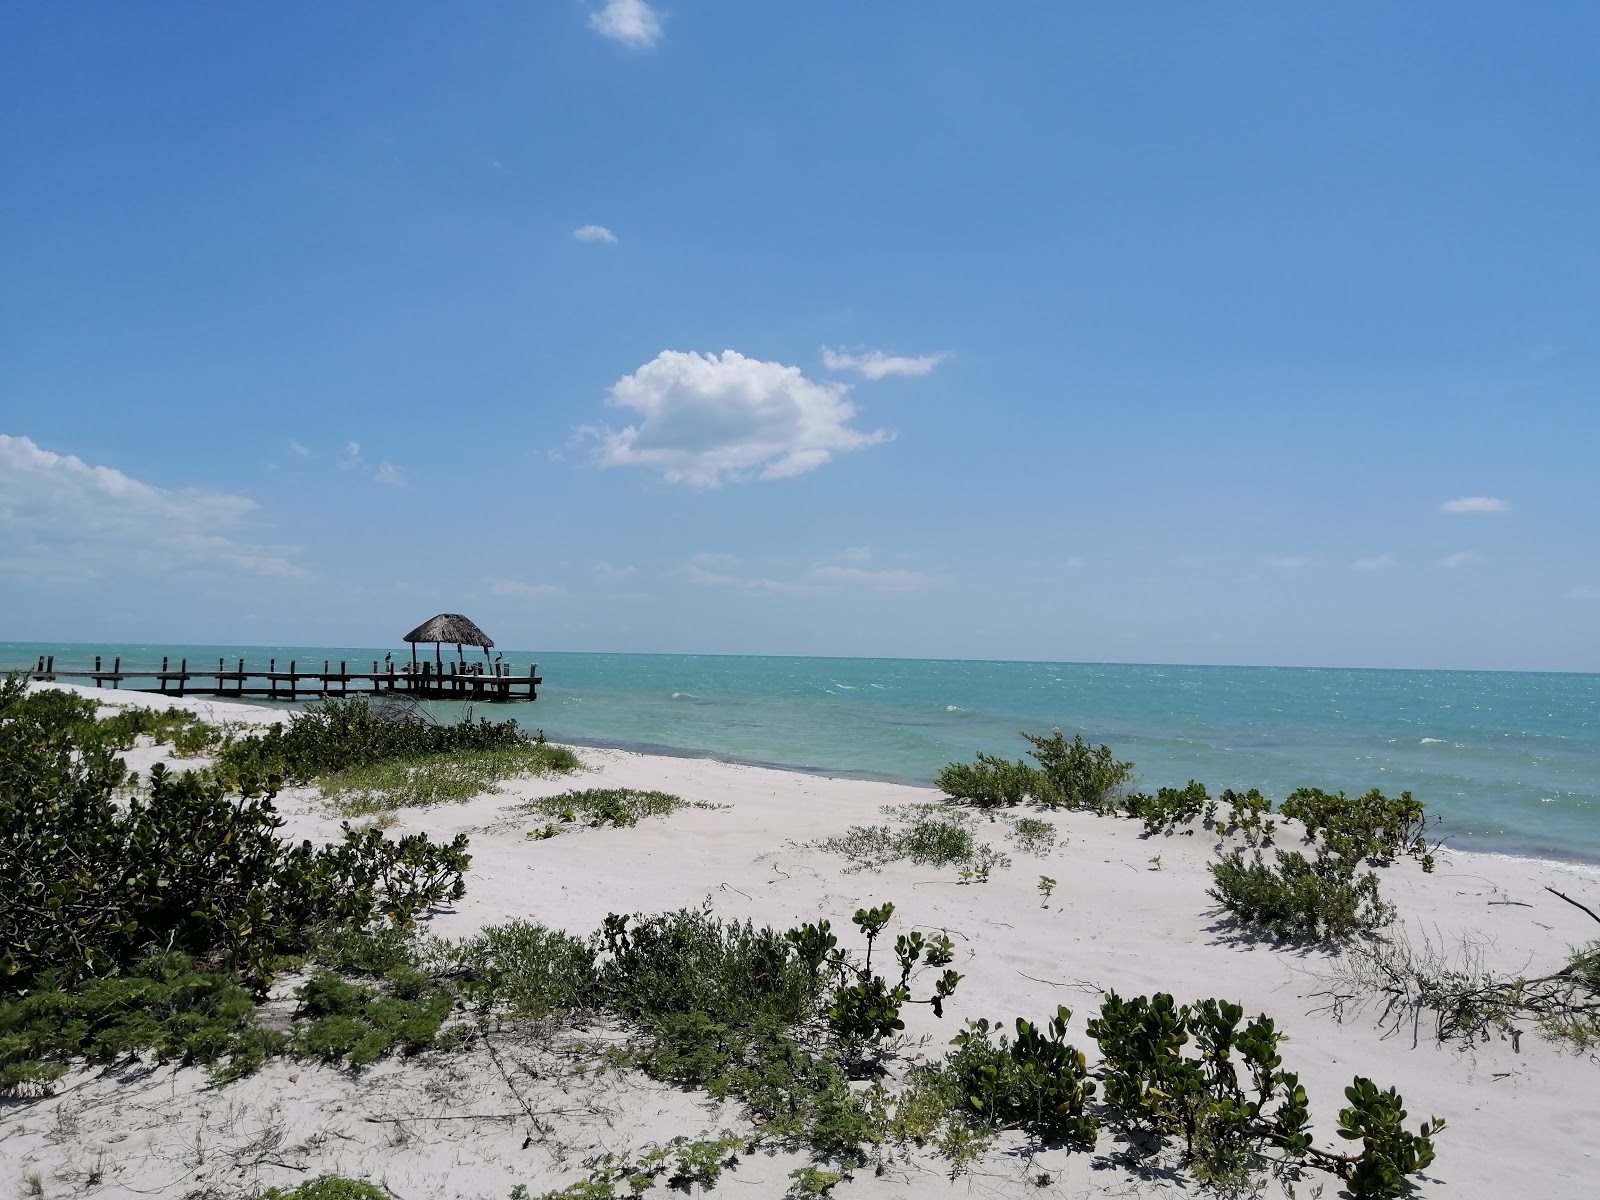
x,y
1389,1151
1376,827
1069,775
1300,899
92,885
1229,1103
164,1006
448,778
523,970
339,734
934,835
619,807
327,1187
359,1023
1037,1083
1171,807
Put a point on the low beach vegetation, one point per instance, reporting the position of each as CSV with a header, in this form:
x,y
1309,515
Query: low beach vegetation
x,y
1460,999
171,922
1321,897
620,808
452,777
137,917
1034,835
933,835
1327,898
342,734
1064,775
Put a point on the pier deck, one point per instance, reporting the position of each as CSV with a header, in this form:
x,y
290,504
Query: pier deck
x,y
490,682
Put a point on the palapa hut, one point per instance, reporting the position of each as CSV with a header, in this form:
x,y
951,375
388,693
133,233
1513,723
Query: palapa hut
x,y
447,627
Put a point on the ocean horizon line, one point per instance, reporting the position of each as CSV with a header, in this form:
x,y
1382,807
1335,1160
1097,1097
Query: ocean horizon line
x,y
851,658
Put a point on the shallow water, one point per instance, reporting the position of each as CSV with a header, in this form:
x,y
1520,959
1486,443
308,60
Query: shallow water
x,y
1510,760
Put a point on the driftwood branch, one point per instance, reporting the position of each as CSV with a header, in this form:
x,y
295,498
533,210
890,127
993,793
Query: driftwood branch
x,y
1573,902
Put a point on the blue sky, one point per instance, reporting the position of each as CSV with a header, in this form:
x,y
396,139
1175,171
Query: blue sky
x,y
1180,333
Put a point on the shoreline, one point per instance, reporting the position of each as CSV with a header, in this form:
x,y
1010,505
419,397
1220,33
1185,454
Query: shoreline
x,y
657,750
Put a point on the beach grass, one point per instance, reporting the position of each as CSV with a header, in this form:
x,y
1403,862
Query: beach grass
x,y
452,778
934,835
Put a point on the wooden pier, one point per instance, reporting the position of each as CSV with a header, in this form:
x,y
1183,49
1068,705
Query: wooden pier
x,y
490,682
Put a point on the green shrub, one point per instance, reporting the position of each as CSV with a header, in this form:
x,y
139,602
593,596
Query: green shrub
x,y
1389,1151
327,1187
524,971
934,835
1376,827
991,782
1070,775
1034,835
1171,807
446,778
1036,1083
619,807
339,734
359,1024
92,885
164,1006
1321,899
1077,775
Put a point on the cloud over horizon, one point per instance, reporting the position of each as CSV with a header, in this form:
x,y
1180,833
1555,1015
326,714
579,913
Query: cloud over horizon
x,y
709,419
631,22
875,364
1474,504
61,518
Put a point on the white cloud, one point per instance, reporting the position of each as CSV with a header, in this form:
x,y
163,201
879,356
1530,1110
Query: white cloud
x,y
1474,504
708,419
878,581
1461,558
523,591
631,22
1292,562
875,364
856,554
611,573
595,233
389,475
350,460
1077,562
299,450
1584,593
718,570
61,518
1376,562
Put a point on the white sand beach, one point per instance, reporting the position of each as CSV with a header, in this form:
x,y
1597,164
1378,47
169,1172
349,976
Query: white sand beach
x,y
1129,913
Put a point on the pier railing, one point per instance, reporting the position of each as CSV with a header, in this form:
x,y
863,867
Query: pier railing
x,y
450,681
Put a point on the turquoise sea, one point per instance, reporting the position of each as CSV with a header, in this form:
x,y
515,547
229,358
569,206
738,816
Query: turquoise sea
x,y
1510,760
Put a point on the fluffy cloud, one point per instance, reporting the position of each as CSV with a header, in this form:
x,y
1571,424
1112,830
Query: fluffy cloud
x,y
595,233
631,22
875,364
1376,562
1461,558
611,573
64,519
709,419
389,475
1474,504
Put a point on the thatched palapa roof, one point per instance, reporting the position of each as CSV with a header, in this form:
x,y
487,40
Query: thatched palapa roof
x,y
450,627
